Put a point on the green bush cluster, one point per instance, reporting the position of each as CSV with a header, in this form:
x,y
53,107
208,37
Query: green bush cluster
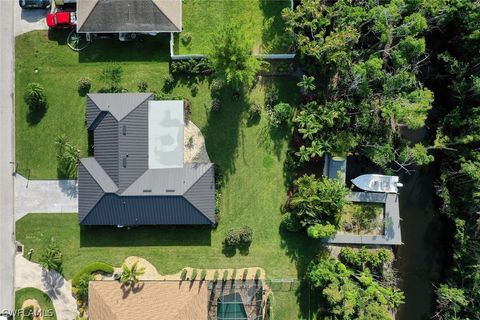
x,y
183,275
280,114
290,222
194,274
142,86
191,66
239,237
84,85
35,97
361,258
91,268
321,231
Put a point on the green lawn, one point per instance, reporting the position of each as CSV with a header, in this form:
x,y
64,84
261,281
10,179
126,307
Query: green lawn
x,y
43,300
250,153
261,19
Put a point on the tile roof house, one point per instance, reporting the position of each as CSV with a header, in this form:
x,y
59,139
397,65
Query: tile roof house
x,y
156,300
129,16
137,175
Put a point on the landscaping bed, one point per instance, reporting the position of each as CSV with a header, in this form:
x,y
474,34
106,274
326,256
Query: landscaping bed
x,y
363,218
262,19
33,297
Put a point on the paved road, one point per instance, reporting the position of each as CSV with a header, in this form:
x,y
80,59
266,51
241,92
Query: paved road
x,y
44,196
7,248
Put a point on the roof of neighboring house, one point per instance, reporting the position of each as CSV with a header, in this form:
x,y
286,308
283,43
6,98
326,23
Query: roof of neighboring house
x,y
118,187
104,16
161,300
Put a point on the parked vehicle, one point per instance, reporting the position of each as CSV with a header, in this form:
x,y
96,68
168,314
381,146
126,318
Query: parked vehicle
x,y
34,4
62,19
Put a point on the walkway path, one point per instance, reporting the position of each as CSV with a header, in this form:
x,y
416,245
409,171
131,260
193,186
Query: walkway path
x,y
44,196
29,274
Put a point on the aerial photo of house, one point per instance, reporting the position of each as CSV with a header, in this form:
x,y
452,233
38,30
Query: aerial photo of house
x,y
239,159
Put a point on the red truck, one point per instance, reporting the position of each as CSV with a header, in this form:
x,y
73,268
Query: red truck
x,y
62,19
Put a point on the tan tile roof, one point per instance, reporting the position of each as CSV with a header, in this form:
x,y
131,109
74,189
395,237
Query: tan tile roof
x,y
149,300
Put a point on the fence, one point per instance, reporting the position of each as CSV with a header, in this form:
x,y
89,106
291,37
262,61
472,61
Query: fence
x,y
283,285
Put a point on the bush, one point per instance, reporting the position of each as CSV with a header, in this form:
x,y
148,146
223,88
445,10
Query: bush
x,y
215,276
194,274
254,111
216,87
216,105
142,86
203,275
245,274
191,66
52,257
194,89
111,76
84,86
183,275
322,231
35,97
239,237
28,313
290,223
169,81
225,275
280,114
271,97
186,38
91,268
234,274
187,110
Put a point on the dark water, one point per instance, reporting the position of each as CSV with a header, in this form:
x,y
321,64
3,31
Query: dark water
x,y
420,259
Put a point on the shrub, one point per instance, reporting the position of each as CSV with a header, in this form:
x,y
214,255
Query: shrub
x,y
216,87
183,275
111,76
290,222
203,275
215,276
186,38
191,66
142,86
194,89
84,86
280,114
28,313
234,274
323,231
91,268
215,105
254,111
271,97
52,257
82,286
385,255
169,80
225,275
35,97
194,274
187,109
245,274
239,237
350,257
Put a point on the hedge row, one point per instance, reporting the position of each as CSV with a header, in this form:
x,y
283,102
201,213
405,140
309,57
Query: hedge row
x,y
91,268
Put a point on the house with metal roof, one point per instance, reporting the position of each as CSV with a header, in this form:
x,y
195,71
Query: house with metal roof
x,y
129,16
138,175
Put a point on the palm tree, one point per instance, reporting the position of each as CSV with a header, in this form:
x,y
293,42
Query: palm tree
x,y
52,257
130,275
307,84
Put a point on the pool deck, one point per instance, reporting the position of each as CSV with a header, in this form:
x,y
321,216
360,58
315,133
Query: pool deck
x,y
392,234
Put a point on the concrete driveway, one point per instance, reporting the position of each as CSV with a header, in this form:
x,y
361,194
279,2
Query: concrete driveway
x,y
44,196
28,19
31,275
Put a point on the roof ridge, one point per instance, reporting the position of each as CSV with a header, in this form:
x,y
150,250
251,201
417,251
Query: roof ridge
x,y
198,210
193,184
89,13
198,179
166,16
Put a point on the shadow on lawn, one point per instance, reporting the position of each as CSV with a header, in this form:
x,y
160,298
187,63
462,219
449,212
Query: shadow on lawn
x,y
34,117
222,130
302,250
149,48
144,236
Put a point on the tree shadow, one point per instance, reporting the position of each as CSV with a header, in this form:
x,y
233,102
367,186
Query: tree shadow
x,y
58,35
34,117
274,35
105,236
222,130
52,281
149,48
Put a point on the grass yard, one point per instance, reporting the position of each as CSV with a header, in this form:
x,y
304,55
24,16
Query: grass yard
x,y
46,305
363,218
250,153
261,19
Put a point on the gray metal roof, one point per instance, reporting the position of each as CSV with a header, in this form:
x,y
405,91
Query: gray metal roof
x,y
120,168
129,16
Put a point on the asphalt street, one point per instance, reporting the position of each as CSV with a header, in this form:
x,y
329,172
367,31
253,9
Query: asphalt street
x,y
7,246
